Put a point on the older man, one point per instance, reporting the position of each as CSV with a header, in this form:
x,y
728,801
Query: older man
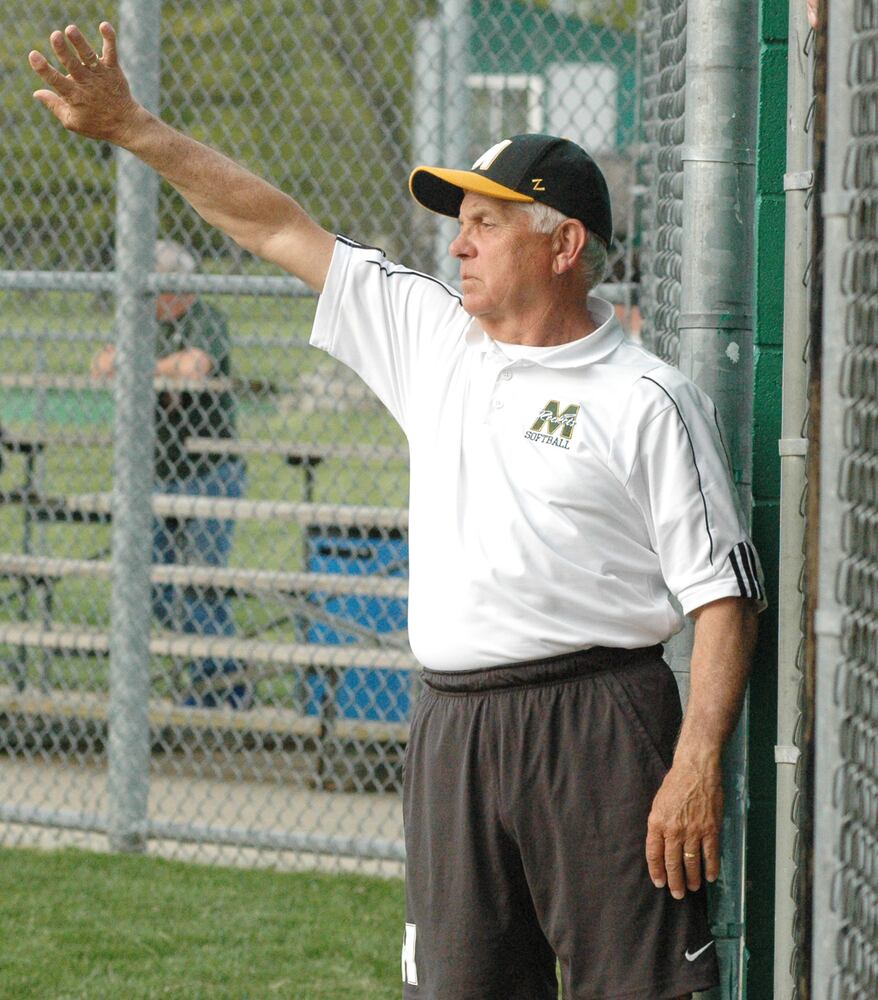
x,y
566,486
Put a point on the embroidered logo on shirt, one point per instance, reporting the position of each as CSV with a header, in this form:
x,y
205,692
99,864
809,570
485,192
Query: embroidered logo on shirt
x,y
553,425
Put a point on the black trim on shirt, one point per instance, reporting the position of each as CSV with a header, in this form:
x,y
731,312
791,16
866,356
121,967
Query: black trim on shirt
x,y
722,441
746,568
750,565
742,589
356,245
399,268
694,460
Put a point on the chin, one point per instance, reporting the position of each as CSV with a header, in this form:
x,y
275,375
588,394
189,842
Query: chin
x,y
472,305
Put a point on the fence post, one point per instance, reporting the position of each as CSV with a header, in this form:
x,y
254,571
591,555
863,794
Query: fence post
x,y
716,327
827,920
798,181
456,27
128,779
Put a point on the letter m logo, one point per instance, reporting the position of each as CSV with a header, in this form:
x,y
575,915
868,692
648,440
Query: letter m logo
x,y
487,158
556,420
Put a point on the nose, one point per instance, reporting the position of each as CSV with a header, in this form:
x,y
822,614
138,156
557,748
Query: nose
x,y
460,246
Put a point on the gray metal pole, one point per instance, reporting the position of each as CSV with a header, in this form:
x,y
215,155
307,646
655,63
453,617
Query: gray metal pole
x,y
456,23
137,197
427,131
797,184
827,921
716,326
427,126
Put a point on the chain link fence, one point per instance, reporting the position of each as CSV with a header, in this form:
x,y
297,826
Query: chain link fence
x,y
663,105
846,838
251,638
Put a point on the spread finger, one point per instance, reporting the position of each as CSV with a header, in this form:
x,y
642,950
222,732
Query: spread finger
x,y
86,54
47,72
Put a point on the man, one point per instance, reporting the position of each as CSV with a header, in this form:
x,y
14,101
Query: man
x,y
192,345
564,485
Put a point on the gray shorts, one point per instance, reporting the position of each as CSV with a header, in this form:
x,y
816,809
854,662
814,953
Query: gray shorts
x,y
526,796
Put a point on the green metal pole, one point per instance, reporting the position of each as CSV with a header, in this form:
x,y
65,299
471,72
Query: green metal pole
x,y
716,332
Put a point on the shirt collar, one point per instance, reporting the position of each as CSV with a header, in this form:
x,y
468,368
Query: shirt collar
x,y
585,351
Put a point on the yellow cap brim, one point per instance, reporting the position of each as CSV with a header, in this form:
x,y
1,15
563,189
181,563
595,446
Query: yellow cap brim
x,y
441,190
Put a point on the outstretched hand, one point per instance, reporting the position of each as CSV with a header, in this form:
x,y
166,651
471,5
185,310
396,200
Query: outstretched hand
x,y
94,98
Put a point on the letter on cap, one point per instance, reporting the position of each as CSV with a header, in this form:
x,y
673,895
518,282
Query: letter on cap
x,y
487,158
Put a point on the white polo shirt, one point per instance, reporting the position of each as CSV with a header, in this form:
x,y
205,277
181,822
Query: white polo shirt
x,y
559,496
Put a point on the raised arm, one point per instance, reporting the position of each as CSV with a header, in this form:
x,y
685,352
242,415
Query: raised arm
x,y
93,99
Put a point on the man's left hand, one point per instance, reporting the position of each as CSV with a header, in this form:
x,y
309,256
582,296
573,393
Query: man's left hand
x,y
683,831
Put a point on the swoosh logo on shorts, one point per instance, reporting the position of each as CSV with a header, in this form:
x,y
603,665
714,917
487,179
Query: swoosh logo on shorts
x,y
691,956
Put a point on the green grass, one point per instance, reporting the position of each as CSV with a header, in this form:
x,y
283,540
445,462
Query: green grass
x,y
82,926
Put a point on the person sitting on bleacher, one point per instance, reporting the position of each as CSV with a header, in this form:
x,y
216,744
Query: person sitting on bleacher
x,y
192,344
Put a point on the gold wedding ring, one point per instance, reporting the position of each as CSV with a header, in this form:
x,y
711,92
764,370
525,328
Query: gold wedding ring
x,y
689,854
92,63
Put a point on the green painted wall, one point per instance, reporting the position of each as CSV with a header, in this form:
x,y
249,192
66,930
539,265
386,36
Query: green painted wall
x,y
771,160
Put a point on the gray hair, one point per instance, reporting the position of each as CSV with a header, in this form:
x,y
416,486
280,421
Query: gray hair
x,y
173,258
545,219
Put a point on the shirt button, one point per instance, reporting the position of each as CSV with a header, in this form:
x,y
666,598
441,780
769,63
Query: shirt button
x,y
498,404
506,374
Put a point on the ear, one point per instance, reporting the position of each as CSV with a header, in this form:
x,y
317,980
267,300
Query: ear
x,y
568,243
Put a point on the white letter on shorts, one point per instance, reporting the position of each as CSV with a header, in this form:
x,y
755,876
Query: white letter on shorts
x,y
409,969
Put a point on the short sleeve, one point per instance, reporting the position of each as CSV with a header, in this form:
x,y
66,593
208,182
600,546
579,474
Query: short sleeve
x,y
681,480
385,321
